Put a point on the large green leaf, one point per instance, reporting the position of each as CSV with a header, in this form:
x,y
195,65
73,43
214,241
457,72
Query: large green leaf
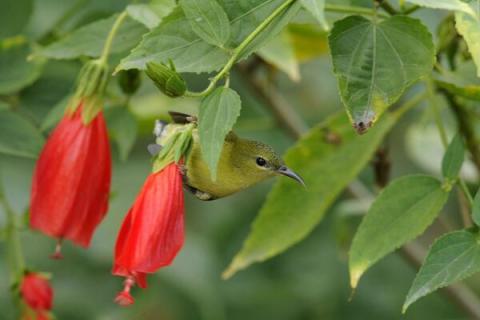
x,y
90,39
454,5
328,158
453,257
174,38
14,15
469,27
16,72
399,214
218,113
208,20
375,62
18,137
317,8
150,14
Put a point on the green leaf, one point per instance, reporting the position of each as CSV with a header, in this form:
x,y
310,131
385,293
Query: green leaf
x,y
175,39
469,27
453,5
317,8
17,72
122,127
476,208
453,158
18,137
55,114
150,14
375,63
218,113
453,257
402,211
280,53
14,15
90,39
208,20
328,157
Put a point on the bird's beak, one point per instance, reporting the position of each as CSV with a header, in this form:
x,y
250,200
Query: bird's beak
x,y
284,170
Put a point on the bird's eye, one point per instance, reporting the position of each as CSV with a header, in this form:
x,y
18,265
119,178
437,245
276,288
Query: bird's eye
x,y
261,162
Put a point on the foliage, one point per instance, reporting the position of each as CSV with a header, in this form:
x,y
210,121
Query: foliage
x,y
384,61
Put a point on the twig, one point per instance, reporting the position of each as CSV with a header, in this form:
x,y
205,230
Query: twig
x,y
460,294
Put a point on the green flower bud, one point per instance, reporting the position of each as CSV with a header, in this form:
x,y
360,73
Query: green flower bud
x,y
129,81
166,79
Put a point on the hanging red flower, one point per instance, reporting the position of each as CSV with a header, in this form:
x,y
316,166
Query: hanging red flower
x,y
37,294
152,232
71,182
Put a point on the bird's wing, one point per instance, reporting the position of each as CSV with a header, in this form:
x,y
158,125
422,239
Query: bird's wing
x,y
180,118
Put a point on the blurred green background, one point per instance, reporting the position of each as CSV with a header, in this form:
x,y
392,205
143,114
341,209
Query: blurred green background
x,y
309,281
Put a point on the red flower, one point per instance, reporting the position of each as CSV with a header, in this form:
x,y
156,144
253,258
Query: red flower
x,y
152,232
37,295
71,182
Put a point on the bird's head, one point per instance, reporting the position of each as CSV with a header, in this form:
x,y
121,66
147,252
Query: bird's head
x,y
260,161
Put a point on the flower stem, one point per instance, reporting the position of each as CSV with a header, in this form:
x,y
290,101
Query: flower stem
x,y
239,50
111,35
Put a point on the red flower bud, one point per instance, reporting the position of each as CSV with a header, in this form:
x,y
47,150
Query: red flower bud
x,y
37,294
152,232
71,183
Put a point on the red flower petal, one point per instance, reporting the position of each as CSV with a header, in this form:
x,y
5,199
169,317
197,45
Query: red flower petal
x,y
36,292
152,232
71,182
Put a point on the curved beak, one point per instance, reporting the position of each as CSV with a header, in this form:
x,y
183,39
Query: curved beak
x,y
284,170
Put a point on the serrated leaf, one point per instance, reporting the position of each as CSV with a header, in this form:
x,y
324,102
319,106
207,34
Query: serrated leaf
x,y
469,27
18,137
280,53
208,20
16,72
328,157
453,257
150,14
90,39
122,127
14,15
174,38
453,158
375,63
453,5
218,113
402,211
317,8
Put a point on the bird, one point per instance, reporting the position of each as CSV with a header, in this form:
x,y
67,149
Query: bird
x,y
243,163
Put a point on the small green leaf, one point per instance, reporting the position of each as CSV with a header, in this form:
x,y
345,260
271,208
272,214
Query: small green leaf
x,y
476,208
453,158
328,158
150,14
469,27
375,63
14,15
280,53
18,137
16,72
218,113
402,211
208,20
453,5
453,257
90,39
317,8
122,127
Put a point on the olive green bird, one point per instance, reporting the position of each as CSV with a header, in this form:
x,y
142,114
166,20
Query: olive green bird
x,y
242,163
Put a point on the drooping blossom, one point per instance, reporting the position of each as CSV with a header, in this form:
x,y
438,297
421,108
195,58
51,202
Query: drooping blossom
x,y
152,232
37,295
